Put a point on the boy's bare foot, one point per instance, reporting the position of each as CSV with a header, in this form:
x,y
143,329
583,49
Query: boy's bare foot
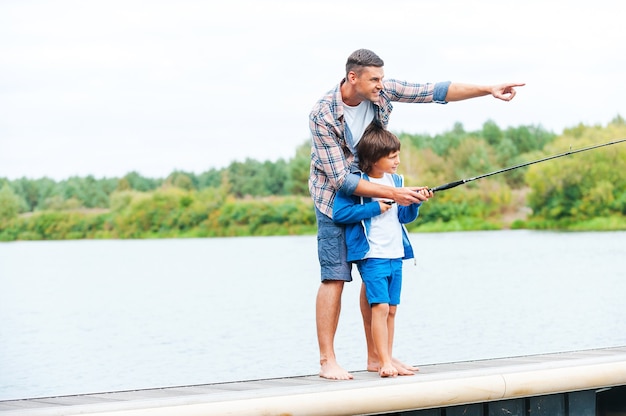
x,y
388,371
404,372
403,369
409,369
332,371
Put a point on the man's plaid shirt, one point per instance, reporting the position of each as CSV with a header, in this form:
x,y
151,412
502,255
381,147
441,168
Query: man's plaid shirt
x,y
331,159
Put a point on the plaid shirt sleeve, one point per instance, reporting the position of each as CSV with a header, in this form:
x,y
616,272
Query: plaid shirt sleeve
x,y
330,157
408,92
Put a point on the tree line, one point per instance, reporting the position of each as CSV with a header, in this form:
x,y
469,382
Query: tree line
x,y
271,198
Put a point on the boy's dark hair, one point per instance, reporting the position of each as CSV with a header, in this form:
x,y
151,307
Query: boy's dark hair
x,y
375,143
362,58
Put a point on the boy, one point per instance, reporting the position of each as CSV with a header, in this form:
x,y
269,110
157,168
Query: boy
x,y
376,238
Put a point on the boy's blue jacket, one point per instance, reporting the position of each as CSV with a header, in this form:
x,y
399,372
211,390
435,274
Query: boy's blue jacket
x,y
356,213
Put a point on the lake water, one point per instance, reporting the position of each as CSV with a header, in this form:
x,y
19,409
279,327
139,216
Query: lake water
x,y
96,316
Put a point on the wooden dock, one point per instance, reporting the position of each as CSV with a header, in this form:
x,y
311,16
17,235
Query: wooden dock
x,y
510,384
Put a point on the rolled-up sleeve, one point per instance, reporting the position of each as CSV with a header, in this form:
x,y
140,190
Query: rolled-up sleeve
x,y
349,185
440,92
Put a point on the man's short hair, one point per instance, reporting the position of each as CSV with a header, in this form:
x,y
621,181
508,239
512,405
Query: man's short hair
x,y
361,58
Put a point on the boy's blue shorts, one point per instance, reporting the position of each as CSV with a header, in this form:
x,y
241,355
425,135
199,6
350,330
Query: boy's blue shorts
x,y
383,280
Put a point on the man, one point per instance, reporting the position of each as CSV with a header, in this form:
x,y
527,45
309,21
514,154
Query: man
x,y
337,122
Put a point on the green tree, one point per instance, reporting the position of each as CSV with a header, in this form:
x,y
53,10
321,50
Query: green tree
x,y
298,171
529,138
182,180
34,191
141,183
618,120
10,202
91,192
276,177
210,179
492,133
471,157
443,143
253,178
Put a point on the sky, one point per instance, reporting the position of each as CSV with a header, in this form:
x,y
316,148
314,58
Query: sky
x,y
106,87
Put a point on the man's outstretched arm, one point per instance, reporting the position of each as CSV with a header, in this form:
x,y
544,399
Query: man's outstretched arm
x,y
458,91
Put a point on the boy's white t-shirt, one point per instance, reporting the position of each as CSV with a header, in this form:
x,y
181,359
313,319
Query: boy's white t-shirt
x,y
358,118
385,236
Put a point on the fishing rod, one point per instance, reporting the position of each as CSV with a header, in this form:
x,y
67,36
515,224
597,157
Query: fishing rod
x,y
571,152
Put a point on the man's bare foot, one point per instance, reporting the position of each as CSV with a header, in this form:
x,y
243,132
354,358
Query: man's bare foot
x,y
388,371
332,371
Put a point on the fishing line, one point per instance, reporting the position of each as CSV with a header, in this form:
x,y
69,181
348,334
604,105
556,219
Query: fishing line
x,y
570,152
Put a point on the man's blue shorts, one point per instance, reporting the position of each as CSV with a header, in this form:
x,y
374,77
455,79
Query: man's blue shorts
x,y
331,249
383,280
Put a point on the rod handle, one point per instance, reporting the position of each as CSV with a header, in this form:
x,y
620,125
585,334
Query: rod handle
x,y
447,186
